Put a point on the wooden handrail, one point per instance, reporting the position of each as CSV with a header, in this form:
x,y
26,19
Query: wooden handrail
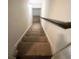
x,y
64,25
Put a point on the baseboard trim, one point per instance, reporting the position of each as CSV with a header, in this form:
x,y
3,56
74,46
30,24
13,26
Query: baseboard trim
x,y
45,32
47,36
22,36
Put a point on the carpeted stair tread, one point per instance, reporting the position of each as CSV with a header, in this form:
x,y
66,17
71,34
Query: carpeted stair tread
x,y
34,49
34,44
34,39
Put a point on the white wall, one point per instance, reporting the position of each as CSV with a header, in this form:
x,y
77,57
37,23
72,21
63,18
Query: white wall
x,y
35,3
60,10
65,54
58,37
18,21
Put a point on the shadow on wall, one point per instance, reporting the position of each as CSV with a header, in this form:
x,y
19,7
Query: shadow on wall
x,y
64,54
61,41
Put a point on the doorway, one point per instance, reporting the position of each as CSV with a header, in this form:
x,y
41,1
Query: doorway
x,y
36,12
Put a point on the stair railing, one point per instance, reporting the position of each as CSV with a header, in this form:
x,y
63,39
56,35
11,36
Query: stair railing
x,y
64,25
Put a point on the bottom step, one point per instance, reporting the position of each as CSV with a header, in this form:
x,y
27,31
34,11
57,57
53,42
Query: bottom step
x,y
34,57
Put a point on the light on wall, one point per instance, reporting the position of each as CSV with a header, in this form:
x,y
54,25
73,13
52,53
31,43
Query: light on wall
x,y
35,3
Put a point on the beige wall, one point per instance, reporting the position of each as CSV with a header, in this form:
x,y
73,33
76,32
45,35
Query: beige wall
x,y
65,54
59,9
18,21
58,37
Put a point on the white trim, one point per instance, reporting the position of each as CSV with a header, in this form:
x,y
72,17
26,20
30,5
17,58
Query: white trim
x,y
47,36
22,36
45,32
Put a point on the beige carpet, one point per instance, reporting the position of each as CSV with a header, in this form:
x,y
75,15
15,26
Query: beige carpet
x,y
34,44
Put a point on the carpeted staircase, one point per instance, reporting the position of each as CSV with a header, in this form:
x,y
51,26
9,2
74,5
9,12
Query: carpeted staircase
x,y
34,45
